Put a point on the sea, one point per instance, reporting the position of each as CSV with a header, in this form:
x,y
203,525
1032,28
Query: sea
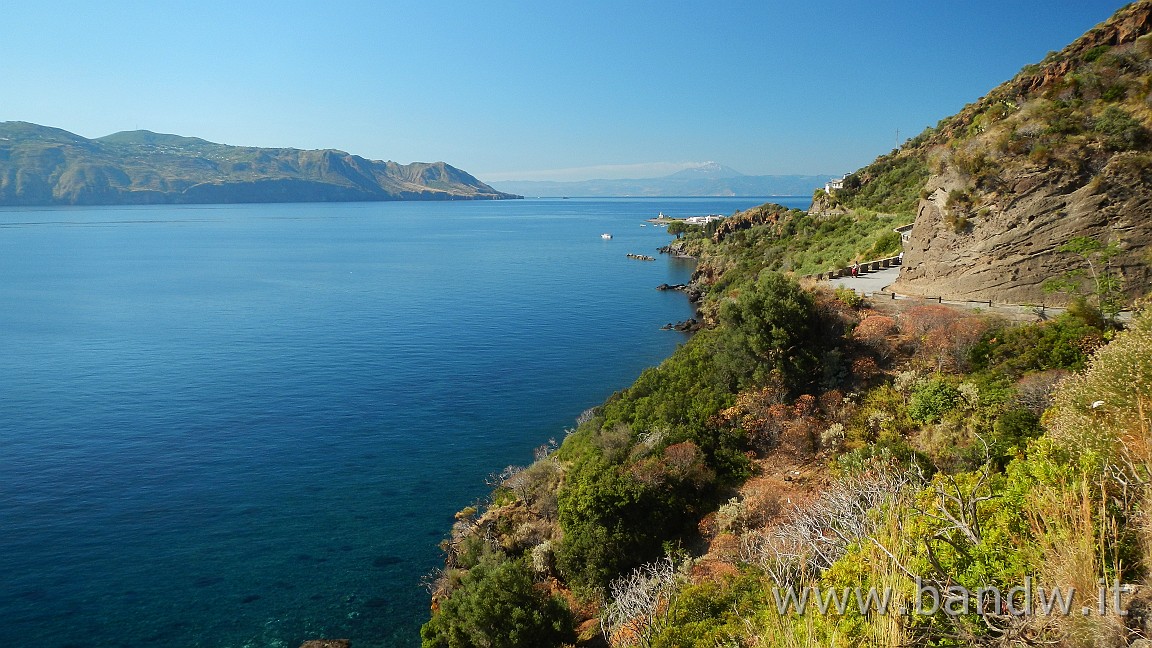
x,y
251,425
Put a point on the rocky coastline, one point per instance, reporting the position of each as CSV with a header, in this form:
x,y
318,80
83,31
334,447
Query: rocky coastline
x,y
693,290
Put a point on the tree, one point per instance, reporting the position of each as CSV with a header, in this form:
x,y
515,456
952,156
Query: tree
x,y
609,521
773,330
678,227
1107,285
498,606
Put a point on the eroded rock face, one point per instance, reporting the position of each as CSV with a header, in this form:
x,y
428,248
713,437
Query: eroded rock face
x,y
1063,150
1007,253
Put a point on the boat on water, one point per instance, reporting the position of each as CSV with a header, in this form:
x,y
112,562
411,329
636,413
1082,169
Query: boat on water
x,y
605,235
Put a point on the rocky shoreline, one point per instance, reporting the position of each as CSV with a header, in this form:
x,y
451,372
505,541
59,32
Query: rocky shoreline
x,y
690,325
691,289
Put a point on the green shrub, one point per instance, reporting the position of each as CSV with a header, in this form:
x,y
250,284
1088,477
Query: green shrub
x,y
1121,131
1011,433
932,400
887,245
498,606
891,184
848,297
1063,343
1095,53
614,522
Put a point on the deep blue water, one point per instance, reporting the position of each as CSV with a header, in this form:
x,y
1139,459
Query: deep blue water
x,y
251,425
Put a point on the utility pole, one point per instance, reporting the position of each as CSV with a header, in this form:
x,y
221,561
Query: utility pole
x,y
897,138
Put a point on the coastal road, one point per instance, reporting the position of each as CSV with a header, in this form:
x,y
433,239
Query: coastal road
x,y
874,282
869,282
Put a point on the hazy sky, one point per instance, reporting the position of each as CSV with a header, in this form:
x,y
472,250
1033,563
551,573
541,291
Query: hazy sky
x,y
528,90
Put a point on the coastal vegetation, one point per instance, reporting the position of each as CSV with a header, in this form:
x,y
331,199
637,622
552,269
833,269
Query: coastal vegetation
x,y
814,468
803,443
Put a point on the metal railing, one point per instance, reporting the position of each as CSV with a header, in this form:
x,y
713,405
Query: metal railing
x,y
863,268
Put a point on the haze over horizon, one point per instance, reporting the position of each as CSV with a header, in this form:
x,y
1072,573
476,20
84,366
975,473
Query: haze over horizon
x,y
524,91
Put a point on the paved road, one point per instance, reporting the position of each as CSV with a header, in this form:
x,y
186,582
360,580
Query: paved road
x,y
874,282
869,282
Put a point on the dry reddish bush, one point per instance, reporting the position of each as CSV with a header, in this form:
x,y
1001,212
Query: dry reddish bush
x,y
707,525
768,420
648,471
760,507
918,320
761,414
878,335
726,546
836,317
802,436
716,571
680,462
875,325
834,407
805,405
949,344
865,369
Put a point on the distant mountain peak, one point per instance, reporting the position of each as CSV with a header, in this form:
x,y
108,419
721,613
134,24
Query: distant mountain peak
x,y
154,139
711,170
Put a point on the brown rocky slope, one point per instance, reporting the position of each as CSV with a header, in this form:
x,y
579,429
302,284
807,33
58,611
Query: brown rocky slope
x,y
1063,150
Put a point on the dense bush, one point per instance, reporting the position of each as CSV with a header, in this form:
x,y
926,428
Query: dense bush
x,y
771,332
659,451
1063,343
498,606
1121,131
932,400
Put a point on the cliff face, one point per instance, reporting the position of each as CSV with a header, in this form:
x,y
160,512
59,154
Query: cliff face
x,y
1061,151
48,166
1007,254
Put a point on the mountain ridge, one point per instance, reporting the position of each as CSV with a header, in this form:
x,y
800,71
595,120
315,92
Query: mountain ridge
x,y
44,165
709,179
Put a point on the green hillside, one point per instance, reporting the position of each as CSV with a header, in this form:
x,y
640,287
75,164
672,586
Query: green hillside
x,y
48,166
809,449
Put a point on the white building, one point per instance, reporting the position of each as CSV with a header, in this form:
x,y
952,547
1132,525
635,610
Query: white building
x,y
834,184
703,220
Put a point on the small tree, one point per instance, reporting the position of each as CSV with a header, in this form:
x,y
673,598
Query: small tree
x,y
677,228
1107,285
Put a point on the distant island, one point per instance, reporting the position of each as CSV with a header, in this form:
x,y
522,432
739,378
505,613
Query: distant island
x,y
41,166
709,179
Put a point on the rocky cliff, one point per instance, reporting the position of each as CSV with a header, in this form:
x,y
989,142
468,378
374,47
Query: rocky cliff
x,y
1061,151
48,166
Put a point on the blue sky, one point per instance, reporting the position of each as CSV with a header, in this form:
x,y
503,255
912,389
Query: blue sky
x,y
529,90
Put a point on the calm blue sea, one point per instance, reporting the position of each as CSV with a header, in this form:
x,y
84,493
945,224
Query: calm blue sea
x,y
251,425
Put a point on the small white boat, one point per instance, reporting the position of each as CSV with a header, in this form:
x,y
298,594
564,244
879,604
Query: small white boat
x,y
605,236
